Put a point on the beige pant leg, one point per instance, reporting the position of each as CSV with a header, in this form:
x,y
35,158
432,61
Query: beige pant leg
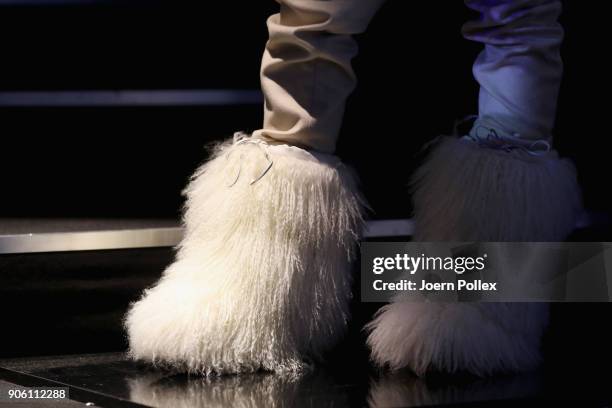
x,y
306,72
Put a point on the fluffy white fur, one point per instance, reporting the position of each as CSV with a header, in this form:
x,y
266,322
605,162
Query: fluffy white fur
x,y
261,279
465,192
471,193
481,339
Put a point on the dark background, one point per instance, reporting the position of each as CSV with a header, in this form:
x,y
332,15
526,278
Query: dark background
x,y
415,81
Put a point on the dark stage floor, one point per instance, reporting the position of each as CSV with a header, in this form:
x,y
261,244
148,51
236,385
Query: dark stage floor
x,y
109,380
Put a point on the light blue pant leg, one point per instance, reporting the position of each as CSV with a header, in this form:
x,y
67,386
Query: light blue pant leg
x,y
466,193
520,68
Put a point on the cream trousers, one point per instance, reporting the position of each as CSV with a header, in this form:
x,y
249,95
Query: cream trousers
x,y
306,73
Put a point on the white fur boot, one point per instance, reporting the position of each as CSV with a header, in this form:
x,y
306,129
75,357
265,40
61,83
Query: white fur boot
x,y
501,185
469,192
261,279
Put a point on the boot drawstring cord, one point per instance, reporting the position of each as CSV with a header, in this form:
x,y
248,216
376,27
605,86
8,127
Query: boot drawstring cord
x,y
243,138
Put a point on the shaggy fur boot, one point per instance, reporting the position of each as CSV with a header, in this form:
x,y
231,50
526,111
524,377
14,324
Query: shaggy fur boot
x,y
470,192
261,279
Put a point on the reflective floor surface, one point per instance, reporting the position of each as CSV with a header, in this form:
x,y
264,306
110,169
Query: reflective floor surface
x,y
110,380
